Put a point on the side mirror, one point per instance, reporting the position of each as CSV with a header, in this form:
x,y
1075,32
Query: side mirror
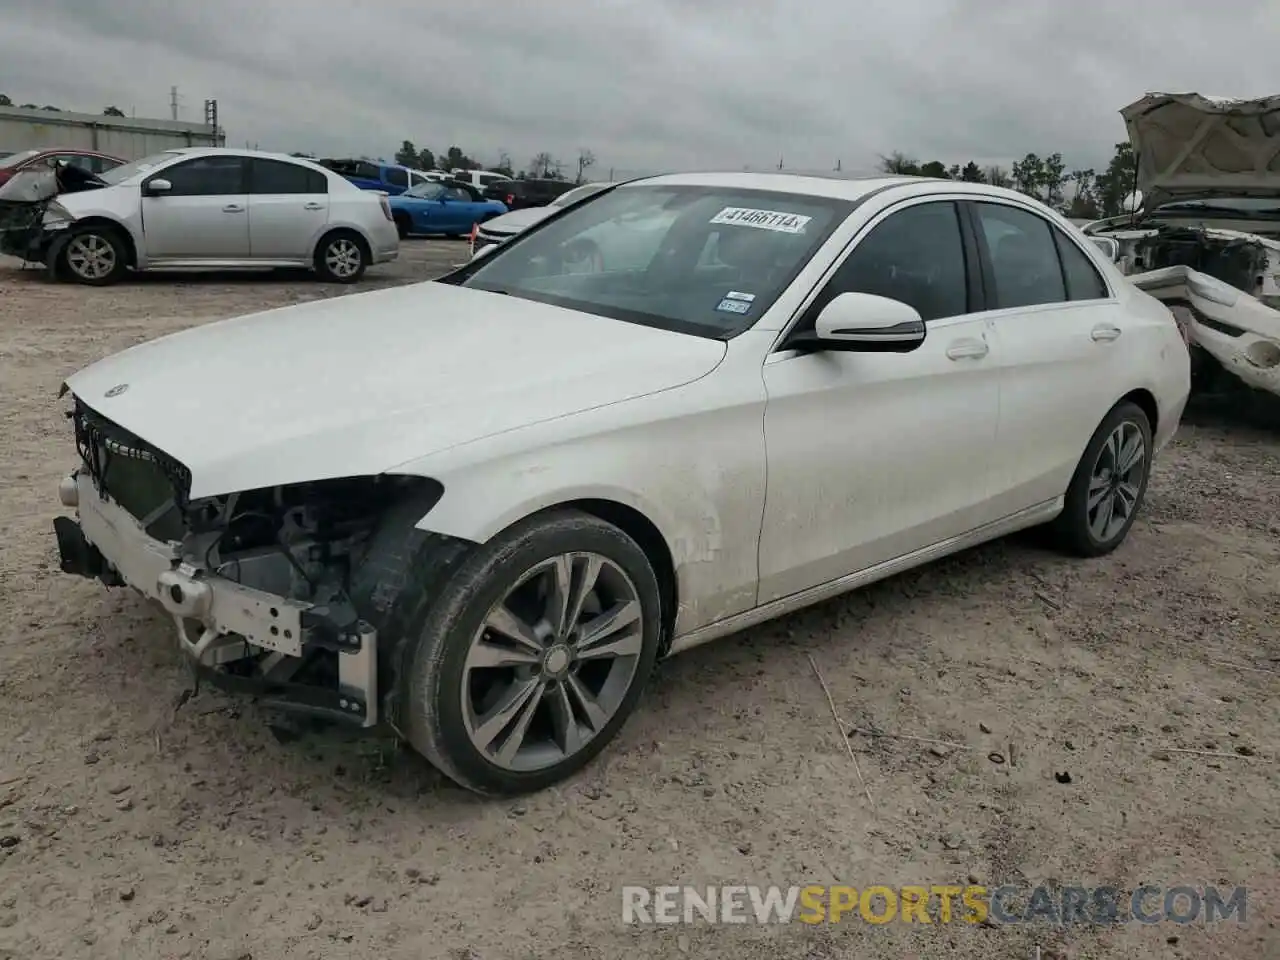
x,y
1110,246
866,323
158,187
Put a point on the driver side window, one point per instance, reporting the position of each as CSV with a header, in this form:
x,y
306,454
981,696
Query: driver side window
x,y
915,256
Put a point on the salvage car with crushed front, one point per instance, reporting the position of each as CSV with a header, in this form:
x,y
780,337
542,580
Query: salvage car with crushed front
x,y
479,510
1205,238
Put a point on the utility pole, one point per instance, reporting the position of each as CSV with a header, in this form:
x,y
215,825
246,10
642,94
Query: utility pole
x,y
173,102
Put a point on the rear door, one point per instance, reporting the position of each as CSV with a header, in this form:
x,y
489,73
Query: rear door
x,y
288,208
395,180
205,214
1061,363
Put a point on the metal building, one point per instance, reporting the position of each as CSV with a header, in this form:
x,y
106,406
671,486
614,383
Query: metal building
x,y
129,138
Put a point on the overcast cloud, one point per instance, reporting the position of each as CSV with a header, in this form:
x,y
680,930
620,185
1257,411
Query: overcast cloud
x,y
646,84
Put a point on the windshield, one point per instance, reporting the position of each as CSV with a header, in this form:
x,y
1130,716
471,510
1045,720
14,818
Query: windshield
x,y
1239,208
707,261
126,170
579,193
431,190
15,159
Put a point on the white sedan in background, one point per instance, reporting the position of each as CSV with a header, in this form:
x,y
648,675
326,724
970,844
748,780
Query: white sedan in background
x,y
209,207
477,510
503,228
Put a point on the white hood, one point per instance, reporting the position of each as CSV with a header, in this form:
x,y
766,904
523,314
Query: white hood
x,y
1191,146
357,385
517,220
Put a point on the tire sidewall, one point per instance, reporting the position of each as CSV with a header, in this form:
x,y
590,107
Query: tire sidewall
x,y
322,253
1077,505
117,247
435,670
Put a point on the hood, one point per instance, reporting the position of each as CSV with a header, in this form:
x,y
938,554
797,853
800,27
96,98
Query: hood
x,y
1191,146
29,186
357,385
517,220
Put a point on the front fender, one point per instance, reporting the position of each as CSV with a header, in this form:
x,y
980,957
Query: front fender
x,y
694,467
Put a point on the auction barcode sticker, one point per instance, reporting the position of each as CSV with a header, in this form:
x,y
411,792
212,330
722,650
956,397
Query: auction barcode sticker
x,y
775,220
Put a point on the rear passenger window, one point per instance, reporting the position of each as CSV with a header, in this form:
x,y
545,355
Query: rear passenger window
x,y
397,177
1024,257
276,176
1084,282
915,256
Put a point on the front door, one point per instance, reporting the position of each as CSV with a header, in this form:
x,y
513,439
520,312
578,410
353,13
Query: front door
x,y
874,455
288,209
203,216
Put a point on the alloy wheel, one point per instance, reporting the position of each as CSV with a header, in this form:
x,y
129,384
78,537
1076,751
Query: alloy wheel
x,y
343,258
552,662
1116,481
91,256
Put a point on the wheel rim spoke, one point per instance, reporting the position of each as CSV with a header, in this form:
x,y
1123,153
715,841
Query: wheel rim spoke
x,y
505,623
1098,488
486,654
591,711
615,633
518,697
566,732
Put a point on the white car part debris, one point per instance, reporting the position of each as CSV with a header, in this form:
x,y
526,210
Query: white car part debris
x,y
1237,330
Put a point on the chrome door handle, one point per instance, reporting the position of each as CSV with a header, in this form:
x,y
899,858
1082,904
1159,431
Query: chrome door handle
x,y
1105,331
314,206
969,348
233,208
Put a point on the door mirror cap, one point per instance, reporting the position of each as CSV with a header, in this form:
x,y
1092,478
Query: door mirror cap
x,y
868,323
158,186
1109,246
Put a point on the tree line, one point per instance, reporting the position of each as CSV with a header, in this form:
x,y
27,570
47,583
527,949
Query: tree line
x,y
6,101
542,165
1093,194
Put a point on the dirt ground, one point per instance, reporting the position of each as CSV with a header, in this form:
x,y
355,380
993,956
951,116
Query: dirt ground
x,y
137,825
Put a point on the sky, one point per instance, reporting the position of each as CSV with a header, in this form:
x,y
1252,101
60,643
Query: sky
x,y
646,85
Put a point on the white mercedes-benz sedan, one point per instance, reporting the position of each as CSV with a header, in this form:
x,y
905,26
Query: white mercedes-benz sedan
x,y
478,510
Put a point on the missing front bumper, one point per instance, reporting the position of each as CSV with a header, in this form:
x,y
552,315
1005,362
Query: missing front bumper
x,y
239,639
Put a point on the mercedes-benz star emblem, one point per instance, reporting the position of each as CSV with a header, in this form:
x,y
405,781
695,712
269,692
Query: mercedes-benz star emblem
x,y
118,389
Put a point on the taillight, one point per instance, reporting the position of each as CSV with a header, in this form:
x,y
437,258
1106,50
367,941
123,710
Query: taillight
x,y
386,208
511,198
475,232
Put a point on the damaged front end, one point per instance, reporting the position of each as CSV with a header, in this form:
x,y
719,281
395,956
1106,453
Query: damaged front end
x,y
1231,331
29,208
258,583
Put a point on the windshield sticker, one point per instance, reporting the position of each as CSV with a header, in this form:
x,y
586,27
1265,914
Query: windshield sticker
x,y
732,306
774,220
737,295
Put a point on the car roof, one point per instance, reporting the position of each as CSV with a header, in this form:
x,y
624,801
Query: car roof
x,y
235,152
836,187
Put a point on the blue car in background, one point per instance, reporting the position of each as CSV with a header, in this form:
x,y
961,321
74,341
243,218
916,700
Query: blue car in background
x,y
371,175
447,207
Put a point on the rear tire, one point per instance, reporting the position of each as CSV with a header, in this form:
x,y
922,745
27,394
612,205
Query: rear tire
x,y
1109,485
94,255
341,257
501,697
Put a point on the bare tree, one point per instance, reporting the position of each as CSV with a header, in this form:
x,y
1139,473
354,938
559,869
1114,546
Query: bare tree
x,y
541,164
899,163
586,159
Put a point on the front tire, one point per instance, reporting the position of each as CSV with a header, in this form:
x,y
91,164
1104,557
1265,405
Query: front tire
x,y
404,226
342,257
94,255
1109,485
533,655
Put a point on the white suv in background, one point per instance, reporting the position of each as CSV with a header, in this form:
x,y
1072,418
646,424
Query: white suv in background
x,y
478,178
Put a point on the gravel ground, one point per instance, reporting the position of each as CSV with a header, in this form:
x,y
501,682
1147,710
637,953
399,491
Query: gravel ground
x,y
137,821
